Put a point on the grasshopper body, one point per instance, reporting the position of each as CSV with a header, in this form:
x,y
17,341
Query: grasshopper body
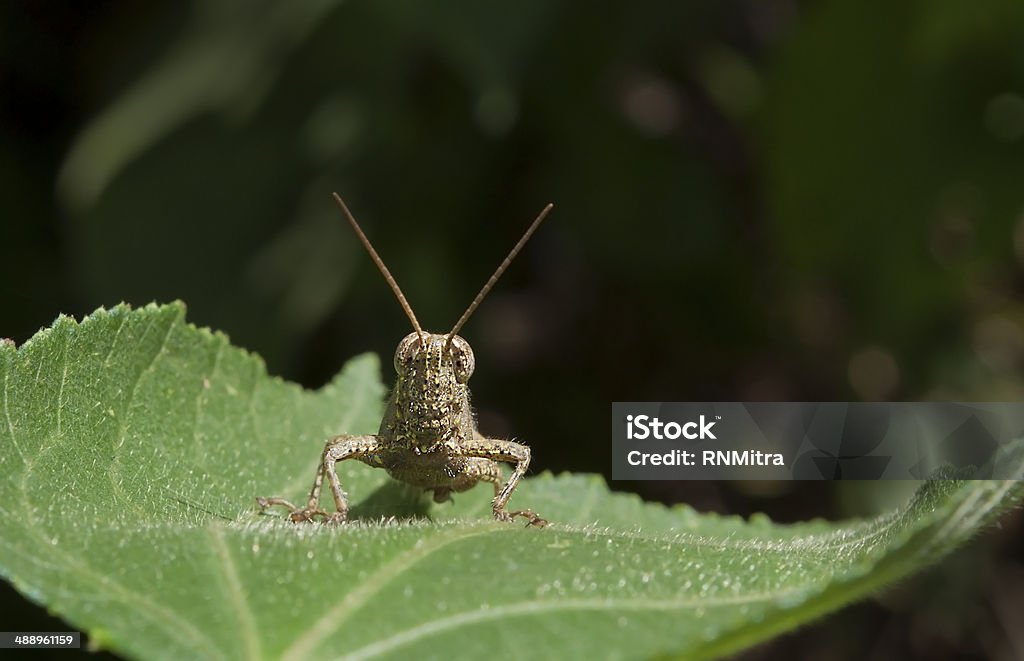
x,y
428,436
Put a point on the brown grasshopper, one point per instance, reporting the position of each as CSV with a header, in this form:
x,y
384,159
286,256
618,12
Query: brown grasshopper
x,y
428,436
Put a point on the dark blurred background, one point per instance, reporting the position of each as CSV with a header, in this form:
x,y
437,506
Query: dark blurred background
x,y
755,200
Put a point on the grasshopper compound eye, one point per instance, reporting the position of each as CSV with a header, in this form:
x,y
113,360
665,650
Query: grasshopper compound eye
x,y
406,349
462,359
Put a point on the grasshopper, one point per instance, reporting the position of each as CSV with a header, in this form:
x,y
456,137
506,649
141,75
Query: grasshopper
x,y
428,436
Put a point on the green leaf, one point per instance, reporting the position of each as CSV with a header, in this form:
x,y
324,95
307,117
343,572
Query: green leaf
x,y
134,445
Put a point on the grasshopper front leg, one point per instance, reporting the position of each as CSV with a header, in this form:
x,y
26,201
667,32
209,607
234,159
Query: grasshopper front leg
x,y
336,449
509,452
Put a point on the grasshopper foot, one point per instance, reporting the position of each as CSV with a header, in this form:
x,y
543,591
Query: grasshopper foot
x,y
336,518
533,519
306,514
296,514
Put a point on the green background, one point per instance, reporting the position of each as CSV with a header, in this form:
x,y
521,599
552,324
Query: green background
x,y
754,201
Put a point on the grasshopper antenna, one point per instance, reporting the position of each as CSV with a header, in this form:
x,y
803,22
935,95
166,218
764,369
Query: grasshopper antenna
x,y
497,274
380,265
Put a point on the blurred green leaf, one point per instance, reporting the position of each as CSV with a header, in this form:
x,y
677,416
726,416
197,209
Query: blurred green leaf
x,y
226,59
134,444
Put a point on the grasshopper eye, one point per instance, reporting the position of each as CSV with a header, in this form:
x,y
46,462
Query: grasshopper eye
x,y
406,348
462,358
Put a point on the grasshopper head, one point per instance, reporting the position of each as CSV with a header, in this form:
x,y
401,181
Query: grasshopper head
x,y
431,386
432,354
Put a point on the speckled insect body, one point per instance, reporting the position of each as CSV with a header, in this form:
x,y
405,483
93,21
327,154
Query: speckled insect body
x,y
428,436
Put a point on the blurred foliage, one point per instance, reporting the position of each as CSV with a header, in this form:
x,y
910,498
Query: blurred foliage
x,y
754,199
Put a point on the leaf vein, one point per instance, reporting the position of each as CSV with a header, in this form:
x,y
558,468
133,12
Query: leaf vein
x,y
10,423
304,646
236,595
198,447
538,607
113,343
164,618
115,465
60,391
